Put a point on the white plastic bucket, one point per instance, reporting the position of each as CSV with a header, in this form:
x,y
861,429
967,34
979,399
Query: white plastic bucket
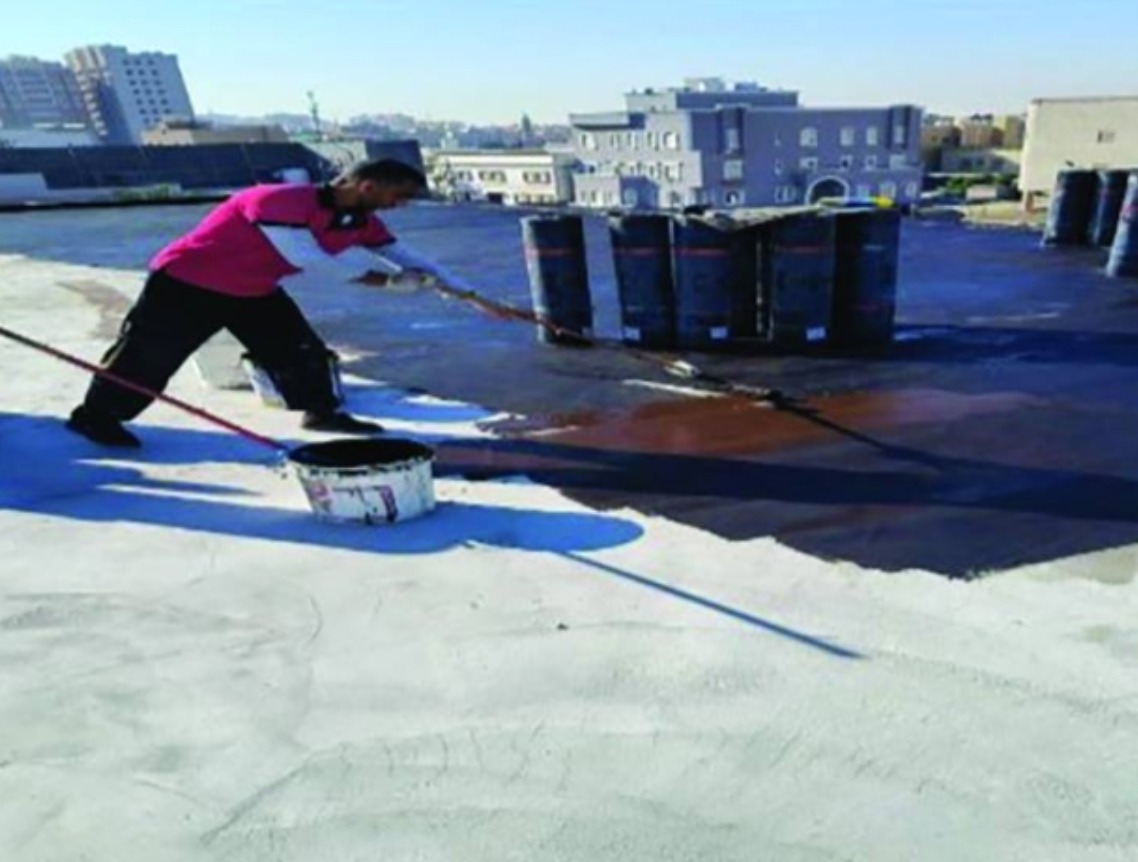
x,y
370,481
267,391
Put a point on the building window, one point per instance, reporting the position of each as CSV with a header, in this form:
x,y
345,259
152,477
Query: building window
x,y
1105,136
912,190
849,136
779,167
871,136
785,194
492,176
846,162
733,198
733,170
588,142
651,140
614,141
899,135
671,140
808,137
542,178
889,190
731,140
871,163
864,190
653,171
897,161
808,163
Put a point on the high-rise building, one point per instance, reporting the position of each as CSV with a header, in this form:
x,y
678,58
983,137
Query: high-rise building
x,y
126,93
38,93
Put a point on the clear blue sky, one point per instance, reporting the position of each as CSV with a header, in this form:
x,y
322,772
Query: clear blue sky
x,y
490,60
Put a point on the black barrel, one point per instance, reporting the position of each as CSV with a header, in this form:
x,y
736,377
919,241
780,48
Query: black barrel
x,y
642,259
1072,202
796,272
864,300
716,289
1123,261
558,278
1108,204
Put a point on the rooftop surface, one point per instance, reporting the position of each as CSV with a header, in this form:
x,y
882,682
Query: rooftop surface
x,y
641,624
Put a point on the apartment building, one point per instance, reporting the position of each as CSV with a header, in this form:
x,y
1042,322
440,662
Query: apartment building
x,y
708,143
126,93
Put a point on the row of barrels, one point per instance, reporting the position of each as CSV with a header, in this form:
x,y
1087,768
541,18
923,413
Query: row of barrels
x,y
1099,209
694,283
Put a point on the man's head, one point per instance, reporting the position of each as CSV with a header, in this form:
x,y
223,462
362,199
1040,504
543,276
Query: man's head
x,y
378,184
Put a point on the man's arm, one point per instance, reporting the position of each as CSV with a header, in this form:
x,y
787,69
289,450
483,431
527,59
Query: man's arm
x,y
299,247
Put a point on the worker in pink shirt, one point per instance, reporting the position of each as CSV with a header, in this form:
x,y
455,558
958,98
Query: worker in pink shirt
x,y
225,274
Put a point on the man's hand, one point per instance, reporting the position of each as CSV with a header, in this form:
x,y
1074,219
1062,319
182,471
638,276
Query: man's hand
x,y
407,281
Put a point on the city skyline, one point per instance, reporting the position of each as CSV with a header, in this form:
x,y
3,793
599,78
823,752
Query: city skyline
x,y
512,57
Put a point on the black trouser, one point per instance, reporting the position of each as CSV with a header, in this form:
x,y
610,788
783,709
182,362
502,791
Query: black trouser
x,y
172,319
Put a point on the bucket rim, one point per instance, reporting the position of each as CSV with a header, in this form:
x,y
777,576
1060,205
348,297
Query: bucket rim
x,y
420,453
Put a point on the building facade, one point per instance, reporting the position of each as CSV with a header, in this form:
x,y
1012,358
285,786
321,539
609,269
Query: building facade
x,y
49,138
514,177
39,93
1081,133
127,93
974,160
709,144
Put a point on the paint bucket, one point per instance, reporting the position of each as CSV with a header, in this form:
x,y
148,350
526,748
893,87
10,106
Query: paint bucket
x,y
370,481
266,389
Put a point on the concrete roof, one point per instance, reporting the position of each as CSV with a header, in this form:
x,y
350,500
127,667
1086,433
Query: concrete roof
x,y
640,625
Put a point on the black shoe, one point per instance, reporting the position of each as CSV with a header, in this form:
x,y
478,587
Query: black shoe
x,y
101,429
339,423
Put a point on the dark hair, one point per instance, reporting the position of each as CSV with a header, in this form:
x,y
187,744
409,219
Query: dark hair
x,y
386,171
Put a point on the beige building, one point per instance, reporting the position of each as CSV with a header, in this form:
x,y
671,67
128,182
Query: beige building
x,y
503,176
174,133
1082,133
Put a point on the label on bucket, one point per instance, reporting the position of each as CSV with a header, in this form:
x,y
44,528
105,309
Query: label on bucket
x,y
719,333
816,333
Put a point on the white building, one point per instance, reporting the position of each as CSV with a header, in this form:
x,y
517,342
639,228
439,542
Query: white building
x,y
1082,133
125,94
504,176
37,93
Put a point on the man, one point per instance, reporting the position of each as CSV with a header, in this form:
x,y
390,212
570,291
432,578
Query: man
x,y
226,273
